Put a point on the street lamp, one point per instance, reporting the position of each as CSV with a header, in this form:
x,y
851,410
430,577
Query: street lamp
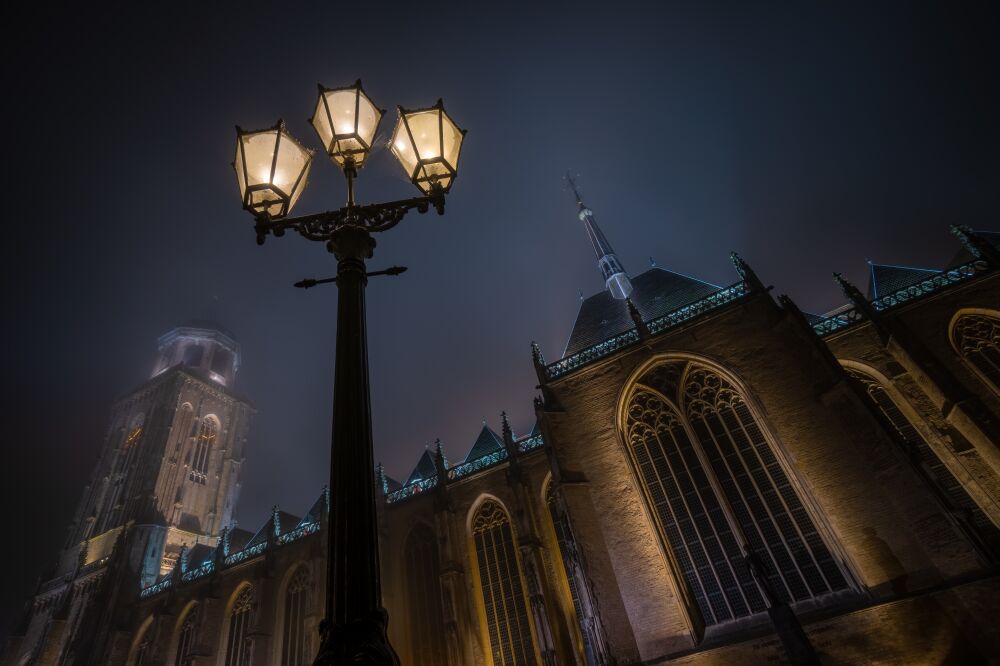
x,y
272,169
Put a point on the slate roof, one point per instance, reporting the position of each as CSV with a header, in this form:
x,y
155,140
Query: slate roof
x,y
655,293
238,538
314,514
199,554
964,257
425,468
884,279
487,442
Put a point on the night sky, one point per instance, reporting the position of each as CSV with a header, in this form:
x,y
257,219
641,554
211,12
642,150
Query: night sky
x,y
808,139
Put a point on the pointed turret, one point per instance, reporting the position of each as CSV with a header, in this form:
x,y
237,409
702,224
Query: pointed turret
x,y
615,277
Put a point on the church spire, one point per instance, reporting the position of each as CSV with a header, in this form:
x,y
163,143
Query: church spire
x,y
615,277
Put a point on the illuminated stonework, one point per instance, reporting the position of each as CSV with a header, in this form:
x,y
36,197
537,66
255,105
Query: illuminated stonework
x,y
682,444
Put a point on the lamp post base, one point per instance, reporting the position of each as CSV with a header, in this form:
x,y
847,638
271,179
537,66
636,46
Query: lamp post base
x,y
361,642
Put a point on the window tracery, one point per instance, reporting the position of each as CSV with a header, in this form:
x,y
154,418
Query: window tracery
x,y
295,647
504,599
240,644
719,493
977,340
188,637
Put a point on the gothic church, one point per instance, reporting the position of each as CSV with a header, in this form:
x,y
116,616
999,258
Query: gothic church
x,y
715,477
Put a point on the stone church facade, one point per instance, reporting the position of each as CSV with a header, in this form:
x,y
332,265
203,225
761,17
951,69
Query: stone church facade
x,y
714,477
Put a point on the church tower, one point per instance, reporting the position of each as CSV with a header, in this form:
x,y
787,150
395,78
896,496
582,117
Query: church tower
x,y
166,481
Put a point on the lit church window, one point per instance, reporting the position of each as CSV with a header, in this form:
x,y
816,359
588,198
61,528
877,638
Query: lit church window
x,y
239,650
977,339
207,434
423,584
188,638
969,515
507,616
718,493
295,646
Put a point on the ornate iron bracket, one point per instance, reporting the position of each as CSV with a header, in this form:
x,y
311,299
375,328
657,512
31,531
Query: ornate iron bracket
x,y
371,218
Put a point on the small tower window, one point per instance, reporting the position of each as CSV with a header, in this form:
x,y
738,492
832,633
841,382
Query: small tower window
x,y
204,440
193,355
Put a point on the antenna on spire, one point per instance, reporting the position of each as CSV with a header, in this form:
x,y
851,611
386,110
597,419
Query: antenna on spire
x,y
572,186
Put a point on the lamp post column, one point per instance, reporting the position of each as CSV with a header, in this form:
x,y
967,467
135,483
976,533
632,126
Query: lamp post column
x,y
354,631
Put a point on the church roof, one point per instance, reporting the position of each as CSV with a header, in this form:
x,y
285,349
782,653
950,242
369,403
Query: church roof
x,y
199,554
655,293
487,442
884,279
964,257
425,468
313,515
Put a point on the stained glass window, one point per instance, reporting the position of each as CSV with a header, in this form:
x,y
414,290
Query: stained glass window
x,y
719,493
977,339
295,647
207,434
933,470
507,616
239,650
188,638
423,583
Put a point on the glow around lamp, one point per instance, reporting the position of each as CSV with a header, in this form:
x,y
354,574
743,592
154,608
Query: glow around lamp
x,y
427,142
346,120
272,169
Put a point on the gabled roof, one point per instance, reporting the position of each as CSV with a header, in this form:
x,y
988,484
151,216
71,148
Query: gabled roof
x,y
392,483
424,469
199,554
313,515
238,538
964,257
884,279
487,442
655,293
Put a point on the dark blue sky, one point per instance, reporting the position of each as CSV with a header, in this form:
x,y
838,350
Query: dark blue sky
x,y
806,137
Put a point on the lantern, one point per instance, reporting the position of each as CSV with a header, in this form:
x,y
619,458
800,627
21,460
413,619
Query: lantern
x,y
271,169
427,142
346,120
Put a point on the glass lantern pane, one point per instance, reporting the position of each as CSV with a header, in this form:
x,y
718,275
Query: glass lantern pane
x,y
426,133
321,123
341,103
452,141
293,161
238,165
368,118
402,149
259,151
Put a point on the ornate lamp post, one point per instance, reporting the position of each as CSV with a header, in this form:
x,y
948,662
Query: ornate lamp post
x,y
272,170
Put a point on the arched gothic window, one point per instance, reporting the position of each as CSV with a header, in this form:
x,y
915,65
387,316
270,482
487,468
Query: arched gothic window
x,y
977,339
719,493
207,434
143,650
239,650
507,616
295,646
423,583
188,638
953,495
